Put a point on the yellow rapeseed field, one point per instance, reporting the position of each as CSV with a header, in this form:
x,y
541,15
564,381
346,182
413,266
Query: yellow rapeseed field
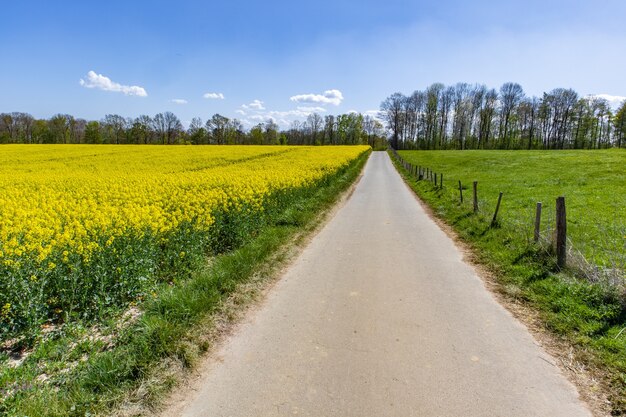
x,y
64,196
60,203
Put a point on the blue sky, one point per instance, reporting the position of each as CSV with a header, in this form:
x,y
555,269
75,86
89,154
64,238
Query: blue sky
x,y
284,59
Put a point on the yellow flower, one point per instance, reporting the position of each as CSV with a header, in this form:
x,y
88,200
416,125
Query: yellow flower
x,y
72,198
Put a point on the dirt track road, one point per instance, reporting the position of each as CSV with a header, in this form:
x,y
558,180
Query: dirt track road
x,y
379,316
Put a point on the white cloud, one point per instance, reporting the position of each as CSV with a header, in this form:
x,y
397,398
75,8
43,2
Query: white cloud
x,y
615,101
283,118
256,105
214,96
328,97
255,112
311,109
375,114
101,82
179,101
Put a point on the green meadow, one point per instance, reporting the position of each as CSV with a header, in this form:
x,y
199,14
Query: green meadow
x,y
592,182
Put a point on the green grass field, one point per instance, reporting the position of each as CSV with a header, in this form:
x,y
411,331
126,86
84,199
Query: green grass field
x,y
585,304
593,183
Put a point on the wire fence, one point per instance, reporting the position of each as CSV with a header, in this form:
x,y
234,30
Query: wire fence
x,y
548,235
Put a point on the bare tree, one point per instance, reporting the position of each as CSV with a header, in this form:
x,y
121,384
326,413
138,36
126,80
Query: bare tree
x,y
392,109
619,122
510,96
316,124
445,104
167,126
330,129
433,95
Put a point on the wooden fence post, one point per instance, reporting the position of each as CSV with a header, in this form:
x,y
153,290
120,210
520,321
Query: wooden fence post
x,y
561,233
435,179
537,221
441,181
461,191
475,196
495,215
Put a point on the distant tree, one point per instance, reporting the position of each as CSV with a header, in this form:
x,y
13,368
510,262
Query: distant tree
x,y
17,127
557,111
270,135
167,127
619,121
431,122
92,133
41,131
256,134
461,101
392,112
59,128
316,125
602,115
486,116
414,118
6,127
235,132
114,128
510,96
196,131
216,126
527,116
445,104
77,130
330,129
374,130
142,130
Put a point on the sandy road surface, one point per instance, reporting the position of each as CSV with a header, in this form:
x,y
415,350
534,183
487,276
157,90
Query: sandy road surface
x,y
379,316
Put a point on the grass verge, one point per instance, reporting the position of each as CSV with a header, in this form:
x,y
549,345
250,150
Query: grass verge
x,y
92,371
588,317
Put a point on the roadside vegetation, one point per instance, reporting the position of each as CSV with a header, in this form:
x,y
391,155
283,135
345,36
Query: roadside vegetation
x,y
104,351
583,303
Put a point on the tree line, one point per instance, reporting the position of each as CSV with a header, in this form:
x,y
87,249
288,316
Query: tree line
x,y
465,116
166,128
